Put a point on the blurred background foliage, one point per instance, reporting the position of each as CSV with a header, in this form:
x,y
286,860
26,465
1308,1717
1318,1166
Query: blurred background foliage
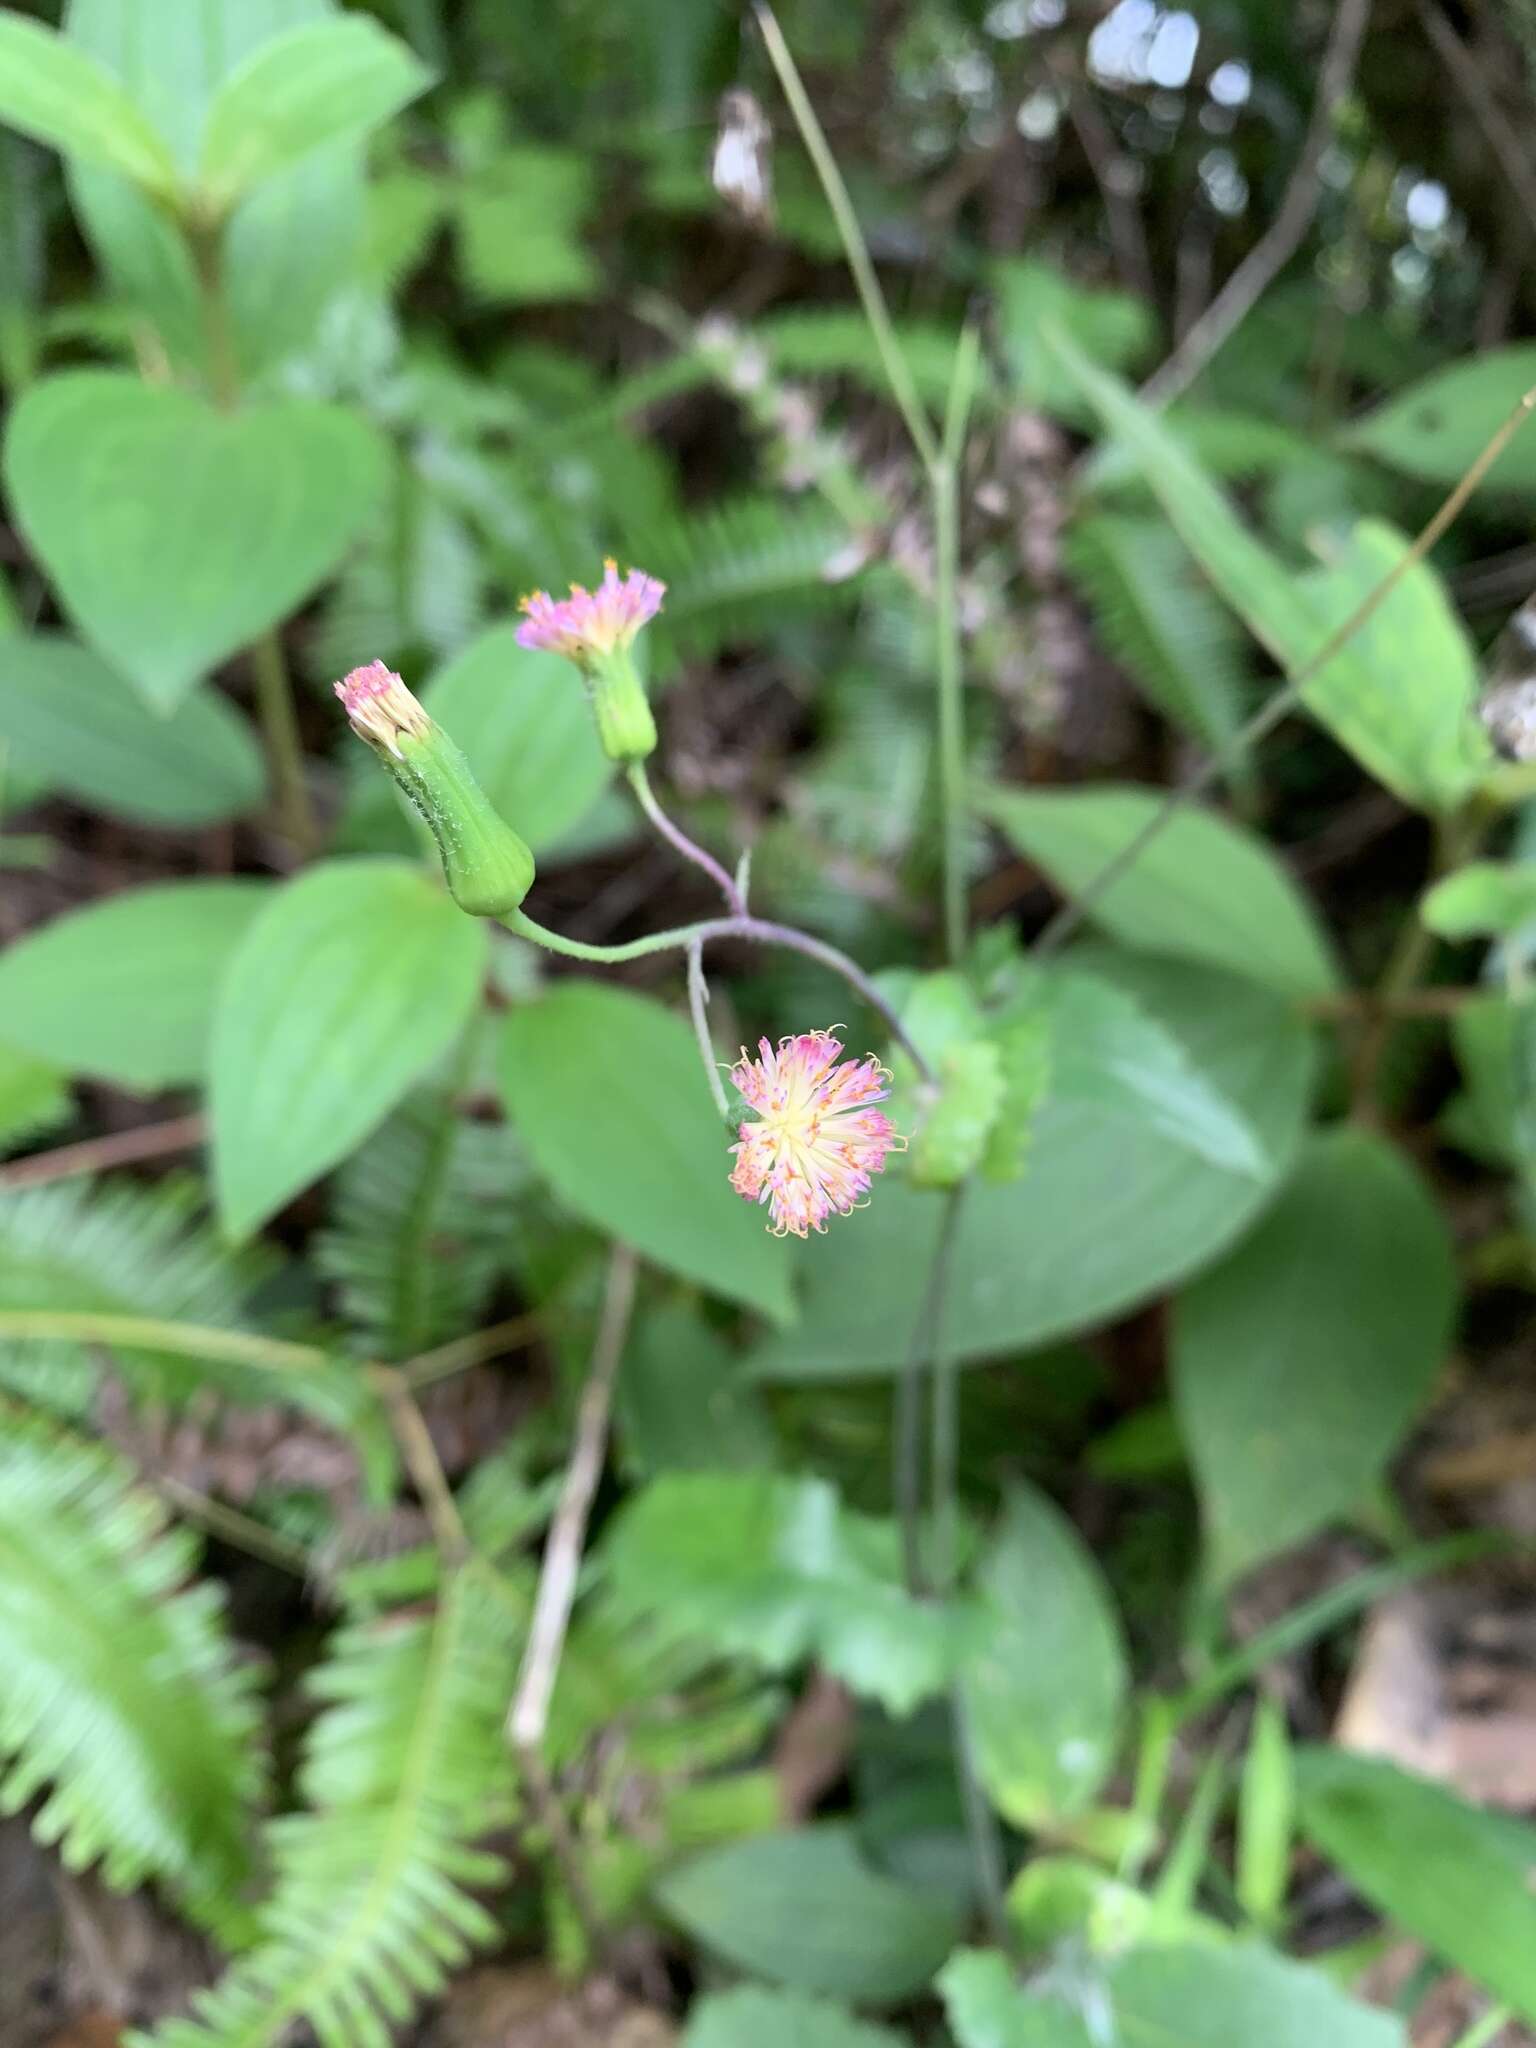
x,y
1234,1690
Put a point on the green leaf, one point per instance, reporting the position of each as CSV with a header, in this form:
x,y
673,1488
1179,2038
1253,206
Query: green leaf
x,y
606,1092
1485,899
1401,698
681,1404
949,1141
1162,624
58,95
123,1710
1300,1361
351,983
66,718
777,1570
1196,1996
779,2019
1203,889
1106,1053
34,1097
1109,1213
128,492
1266,1814
523,721
1045,1690
115,1249
1437,428
125,988
1113,328
377,1875
1406,720
1495,1117
323,82
1455,1877
286,249
519,225
804,1910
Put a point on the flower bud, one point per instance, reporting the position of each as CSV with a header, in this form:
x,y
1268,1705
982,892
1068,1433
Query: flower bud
x,y
486,865
596,629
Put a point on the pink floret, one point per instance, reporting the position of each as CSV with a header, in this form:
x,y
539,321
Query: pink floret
x,y
591,621
817,1147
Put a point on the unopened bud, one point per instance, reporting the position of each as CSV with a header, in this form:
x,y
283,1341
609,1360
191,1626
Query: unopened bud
x,y
486,865
596,629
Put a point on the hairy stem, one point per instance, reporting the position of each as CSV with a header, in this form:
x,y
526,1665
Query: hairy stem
x,y
676,837
758,930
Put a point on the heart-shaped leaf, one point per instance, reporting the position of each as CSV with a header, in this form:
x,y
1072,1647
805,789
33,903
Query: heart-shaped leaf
x,y
348,986
176,534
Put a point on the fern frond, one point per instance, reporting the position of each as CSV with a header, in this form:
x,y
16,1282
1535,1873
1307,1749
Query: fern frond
x,y
741,569
1163,624
113,1247
404,1770
118,1690
835,341
422,1227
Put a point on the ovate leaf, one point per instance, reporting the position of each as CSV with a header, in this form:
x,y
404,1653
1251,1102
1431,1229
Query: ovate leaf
x,y
1109,1212
68,719
58,95
124,989
1456,1878
1400,706
129,492
777,1570
1437,428
1200,1996
1486,899
1300,1361
354,979
606,1092
1203,888
1045,1687
323,82
805,1910
780,2019
1409,718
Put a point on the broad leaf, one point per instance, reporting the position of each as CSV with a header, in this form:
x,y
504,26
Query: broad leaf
x,y
1300,1361
1402,714
128,492
1198,1996
1045,1688
34,1097
777,1570
606,1092
1108,1212
805,1910
523,720
1409,719
1107,1053
1437,428
1486,899
58,95
66,718
747,2018
351,983
1202,888
323,82
1456,1878
124,989
286,249
682,1404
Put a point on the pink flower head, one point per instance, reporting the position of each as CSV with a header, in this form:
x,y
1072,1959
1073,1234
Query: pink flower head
x,y
819,1142
380,708
591,622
